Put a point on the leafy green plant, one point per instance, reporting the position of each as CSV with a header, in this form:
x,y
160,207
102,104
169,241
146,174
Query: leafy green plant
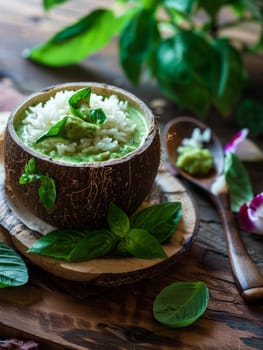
x,y
123,237
47,188
181,303
13,270
181,44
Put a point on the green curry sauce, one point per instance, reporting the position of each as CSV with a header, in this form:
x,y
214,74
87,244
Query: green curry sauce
x,y
139,134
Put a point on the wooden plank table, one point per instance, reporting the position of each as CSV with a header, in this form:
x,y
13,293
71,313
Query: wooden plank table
x,y
59,314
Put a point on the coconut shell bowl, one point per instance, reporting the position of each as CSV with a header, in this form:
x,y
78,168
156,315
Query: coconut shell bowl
x,y
84,190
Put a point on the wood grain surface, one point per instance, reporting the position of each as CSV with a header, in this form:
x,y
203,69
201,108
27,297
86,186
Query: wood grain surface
x,y
61,314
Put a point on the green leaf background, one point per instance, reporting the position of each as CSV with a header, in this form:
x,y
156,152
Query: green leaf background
x,y
193,64
79,40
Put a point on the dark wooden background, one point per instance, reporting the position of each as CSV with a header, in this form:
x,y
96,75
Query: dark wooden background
x,y
62,315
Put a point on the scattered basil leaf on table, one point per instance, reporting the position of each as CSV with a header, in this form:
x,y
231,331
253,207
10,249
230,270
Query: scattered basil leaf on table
x,y
47,189
13,270
181,303
237,181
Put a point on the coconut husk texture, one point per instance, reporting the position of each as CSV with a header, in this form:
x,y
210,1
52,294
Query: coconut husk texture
x,y
84,191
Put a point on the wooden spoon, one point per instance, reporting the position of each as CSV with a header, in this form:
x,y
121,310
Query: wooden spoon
x,y
248,277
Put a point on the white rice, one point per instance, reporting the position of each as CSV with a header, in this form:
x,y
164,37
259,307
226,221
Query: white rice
x,y
116,131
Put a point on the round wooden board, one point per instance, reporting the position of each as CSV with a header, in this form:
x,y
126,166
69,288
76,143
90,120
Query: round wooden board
x,y
105,271
111,271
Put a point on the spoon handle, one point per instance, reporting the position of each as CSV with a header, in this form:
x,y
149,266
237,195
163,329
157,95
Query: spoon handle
x,y
248,277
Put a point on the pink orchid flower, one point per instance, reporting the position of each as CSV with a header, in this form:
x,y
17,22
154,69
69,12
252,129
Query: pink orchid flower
x,y
244,148
251,215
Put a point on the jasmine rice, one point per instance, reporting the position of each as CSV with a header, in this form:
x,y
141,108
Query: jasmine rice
x,y
124,129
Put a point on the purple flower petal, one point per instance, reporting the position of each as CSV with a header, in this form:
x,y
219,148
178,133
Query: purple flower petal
x,y
244,148
236,139
257,203
251,215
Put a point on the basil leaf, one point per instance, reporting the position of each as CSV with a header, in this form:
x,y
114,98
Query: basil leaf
x,y
69,128
243,6
181,303
50,3
13,271
187,68
139,243
47,188
185,6
231,78
80,102
31,166
118,220
30,174
95,244
250,115
97,116
192,96
58,243
159,220
28,178
74,245
121,249
47,192
79,40
55,130
135,47
237,181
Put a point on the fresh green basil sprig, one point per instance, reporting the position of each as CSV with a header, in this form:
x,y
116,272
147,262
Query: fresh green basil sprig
x,y
47,189
140,236
179,43
80,106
